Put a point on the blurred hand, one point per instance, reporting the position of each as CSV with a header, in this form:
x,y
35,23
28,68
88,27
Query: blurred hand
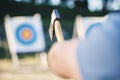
x,y
62,59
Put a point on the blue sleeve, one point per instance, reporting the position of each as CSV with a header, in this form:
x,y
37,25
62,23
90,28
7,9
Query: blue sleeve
x,y
98,54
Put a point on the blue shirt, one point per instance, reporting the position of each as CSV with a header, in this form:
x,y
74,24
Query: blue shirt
x,y
98,54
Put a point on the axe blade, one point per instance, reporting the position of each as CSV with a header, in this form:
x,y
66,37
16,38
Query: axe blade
x,y
54,16
51,32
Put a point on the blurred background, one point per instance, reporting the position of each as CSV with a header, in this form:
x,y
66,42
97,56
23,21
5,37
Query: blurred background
x,y
30,62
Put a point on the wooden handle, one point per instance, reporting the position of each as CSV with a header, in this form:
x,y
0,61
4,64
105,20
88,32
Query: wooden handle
x,y
58,31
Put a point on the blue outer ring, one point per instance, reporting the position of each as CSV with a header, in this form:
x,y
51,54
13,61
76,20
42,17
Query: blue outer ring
x,y
21,40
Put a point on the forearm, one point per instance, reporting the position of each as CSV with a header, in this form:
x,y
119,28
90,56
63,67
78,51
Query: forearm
x,y
59,69
62,59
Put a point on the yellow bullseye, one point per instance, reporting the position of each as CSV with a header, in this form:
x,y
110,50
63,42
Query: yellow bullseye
x,y
26,34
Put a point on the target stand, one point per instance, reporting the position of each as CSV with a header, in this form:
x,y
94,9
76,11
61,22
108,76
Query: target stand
x,y
24,35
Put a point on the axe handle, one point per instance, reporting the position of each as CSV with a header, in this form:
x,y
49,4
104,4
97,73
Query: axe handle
x,y
58,31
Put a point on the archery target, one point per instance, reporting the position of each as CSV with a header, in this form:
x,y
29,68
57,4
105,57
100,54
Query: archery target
x,y
26,34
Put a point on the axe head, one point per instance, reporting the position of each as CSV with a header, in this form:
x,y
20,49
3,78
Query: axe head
x,y
54,16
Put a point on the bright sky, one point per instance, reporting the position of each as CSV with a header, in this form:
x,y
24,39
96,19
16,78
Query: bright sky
x,y
93,5
55,2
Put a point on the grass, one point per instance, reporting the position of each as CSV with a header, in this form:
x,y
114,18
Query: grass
x,y
30,69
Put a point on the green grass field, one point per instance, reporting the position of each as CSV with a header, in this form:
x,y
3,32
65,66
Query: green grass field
x,y
29,69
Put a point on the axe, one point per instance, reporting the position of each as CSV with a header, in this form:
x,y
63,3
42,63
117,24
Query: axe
x,y
55,27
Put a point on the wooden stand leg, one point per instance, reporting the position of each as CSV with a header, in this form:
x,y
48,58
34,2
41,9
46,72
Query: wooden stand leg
x,y
15,59
43,59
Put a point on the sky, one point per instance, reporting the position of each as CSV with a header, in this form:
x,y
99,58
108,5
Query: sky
x,y
93,5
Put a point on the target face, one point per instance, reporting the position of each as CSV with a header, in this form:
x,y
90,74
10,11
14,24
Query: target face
x,y
26,34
